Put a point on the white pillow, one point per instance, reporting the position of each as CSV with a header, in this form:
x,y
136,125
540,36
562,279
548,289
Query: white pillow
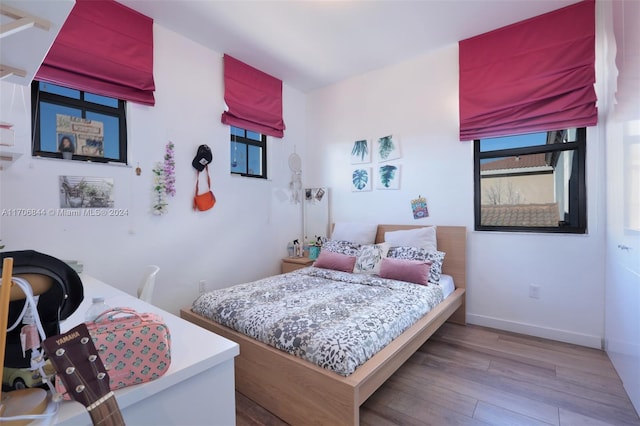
x,y
419,237
359,233
370,258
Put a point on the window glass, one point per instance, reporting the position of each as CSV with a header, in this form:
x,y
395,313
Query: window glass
x,y
102,100
235,131
84,125
48,111
248,153
59,90
532,186
238,157
255,160
103,145
253,135
506,142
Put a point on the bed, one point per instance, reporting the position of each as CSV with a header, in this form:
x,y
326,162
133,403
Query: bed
x,y
300,392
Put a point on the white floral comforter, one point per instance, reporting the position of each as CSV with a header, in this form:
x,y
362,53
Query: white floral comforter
x,y
334,319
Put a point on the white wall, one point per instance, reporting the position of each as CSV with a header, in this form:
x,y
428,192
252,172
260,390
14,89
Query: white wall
x,y
622,331
418,101
242,238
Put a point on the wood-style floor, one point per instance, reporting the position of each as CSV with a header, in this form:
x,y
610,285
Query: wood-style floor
x,y
470,375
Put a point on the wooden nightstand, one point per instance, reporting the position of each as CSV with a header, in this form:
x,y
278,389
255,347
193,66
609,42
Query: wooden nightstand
x,y
292,263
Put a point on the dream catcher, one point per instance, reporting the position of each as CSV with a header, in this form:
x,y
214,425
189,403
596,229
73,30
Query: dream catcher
x,y
295,165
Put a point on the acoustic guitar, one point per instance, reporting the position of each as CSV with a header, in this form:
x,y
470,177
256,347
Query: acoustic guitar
x,y
75,357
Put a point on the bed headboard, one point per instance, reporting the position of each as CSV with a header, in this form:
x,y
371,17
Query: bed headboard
x,y
453,241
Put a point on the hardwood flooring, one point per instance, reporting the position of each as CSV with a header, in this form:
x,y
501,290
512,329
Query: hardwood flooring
x,y
470,375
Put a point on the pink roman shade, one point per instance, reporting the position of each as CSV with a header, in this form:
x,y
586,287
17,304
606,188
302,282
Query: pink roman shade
x,y
254,99
535,75
104,48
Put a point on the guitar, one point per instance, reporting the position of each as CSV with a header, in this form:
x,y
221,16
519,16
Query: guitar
x,y
76,359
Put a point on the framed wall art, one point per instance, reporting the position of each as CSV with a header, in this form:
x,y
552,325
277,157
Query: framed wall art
x,y
85,192
388,148
419,207
361,152
361,179
388,177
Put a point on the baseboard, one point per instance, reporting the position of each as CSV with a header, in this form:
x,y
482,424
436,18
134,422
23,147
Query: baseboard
x,y
587,340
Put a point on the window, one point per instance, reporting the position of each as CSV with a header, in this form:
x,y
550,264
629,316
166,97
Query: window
x,y
248,153
69,123
532,183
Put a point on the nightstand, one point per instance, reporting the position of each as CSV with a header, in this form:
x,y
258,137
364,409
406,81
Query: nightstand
x,y
292,263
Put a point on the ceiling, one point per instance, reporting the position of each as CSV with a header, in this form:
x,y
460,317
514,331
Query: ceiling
x,y
312,44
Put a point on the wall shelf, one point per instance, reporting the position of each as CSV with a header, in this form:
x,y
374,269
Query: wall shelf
x,y
7,156
35,24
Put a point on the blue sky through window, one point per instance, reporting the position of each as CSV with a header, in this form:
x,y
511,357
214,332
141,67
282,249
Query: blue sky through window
x,y
518,141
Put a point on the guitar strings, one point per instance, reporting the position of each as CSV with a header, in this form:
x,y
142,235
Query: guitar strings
x,y
98,402
118,420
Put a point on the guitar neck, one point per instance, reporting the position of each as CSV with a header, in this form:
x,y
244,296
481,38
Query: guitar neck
x,y
105,412
76,359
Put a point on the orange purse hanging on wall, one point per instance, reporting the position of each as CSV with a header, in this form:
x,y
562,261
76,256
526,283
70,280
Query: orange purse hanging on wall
x,y
206,200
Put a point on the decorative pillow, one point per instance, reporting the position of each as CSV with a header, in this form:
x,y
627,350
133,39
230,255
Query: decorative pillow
x,y
420,237
359,233
413,253
342,247
336,261
413,271
370,257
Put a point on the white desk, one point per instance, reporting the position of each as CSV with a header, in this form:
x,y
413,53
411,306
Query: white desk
x,y
198,388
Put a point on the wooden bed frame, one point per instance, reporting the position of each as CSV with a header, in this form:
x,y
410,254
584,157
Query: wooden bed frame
x,y
300,392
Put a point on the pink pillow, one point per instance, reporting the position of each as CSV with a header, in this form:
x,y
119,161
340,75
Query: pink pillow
x,y
413,271
336,261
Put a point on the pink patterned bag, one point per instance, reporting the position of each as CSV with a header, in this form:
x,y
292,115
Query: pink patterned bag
x,y
134,347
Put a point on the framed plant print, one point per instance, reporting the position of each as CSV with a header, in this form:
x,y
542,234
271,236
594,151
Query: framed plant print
x,y
388,148
361,152
388,177
361,179
85,192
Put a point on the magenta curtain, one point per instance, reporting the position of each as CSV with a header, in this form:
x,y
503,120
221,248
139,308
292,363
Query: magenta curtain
x,y
104,48
535,75
254,99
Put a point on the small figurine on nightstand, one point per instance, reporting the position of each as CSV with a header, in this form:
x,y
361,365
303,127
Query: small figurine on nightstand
x,y
297,250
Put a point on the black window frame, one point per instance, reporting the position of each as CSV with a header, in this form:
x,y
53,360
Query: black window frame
x,y
578,146
119,112
262,144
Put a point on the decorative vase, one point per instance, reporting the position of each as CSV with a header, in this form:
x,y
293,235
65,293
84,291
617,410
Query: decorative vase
x,y
314,252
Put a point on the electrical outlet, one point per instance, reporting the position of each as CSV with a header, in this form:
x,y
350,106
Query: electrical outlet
x,y
534,291
202,286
